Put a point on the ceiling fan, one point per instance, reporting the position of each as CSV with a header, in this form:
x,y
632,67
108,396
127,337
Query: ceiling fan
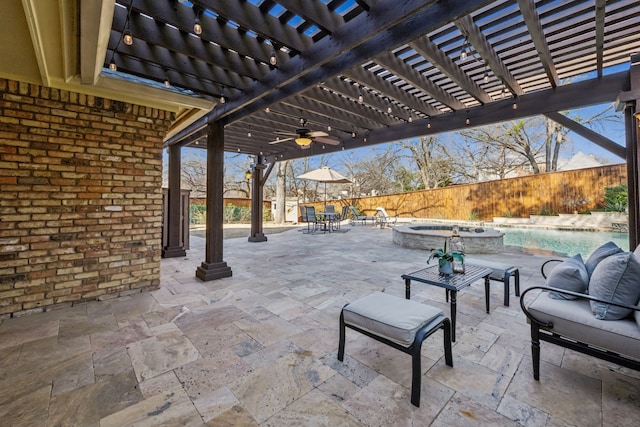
x,y
304,137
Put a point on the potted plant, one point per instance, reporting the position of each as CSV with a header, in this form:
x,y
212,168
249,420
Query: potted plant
x,y
445,259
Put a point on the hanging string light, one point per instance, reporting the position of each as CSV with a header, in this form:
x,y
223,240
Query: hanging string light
x,y
463,54
166,82
273,60
222,98
360,97
127,37
197,26
468,120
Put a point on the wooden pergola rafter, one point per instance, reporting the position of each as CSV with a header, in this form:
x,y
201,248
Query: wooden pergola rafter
x,y
368,72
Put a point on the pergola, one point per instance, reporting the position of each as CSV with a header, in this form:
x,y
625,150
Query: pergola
x,y
244,75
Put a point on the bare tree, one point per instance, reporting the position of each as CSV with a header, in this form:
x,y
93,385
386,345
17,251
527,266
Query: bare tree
x,y
281,183
194,175
432,159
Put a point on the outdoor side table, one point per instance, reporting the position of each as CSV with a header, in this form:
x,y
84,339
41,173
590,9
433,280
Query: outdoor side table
x,y
452,284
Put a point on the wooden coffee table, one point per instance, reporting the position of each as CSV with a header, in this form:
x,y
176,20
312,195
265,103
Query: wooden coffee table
x,y
452,284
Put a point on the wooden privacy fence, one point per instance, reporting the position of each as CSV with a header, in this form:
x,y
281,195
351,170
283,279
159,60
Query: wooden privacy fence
x,y
548,193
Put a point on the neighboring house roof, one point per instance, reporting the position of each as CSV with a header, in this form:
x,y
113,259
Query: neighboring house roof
x,y
579,160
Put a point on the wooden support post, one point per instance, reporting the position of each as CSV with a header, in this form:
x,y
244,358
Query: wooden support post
x,y
632,125
633,184
175,247
257,193
213,266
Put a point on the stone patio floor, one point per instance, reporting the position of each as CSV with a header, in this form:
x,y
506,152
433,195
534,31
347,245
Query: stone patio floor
x,y
259,348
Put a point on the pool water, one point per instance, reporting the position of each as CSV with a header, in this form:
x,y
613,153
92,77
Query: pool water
x,y
561,242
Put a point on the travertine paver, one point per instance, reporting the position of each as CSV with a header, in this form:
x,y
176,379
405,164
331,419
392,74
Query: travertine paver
x,y
259,348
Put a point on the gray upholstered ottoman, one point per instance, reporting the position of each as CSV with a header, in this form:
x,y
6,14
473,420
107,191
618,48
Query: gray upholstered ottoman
x,y
400,323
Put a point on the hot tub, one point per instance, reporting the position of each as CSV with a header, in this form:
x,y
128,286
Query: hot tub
x,y
430,236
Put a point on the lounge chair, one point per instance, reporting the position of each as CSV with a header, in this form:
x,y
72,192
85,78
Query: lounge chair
x,y
383,219
356,217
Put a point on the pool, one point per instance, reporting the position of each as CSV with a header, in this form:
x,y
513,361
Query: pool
x,y
561,242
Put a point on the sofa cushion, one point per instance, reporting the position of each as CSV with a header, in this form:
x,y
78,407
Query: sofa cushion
x,y
616,279
574,319
391,317
571,274
599,254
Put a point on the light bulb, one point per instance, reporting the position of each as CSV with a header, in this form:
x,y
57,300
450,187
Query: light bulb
x,y
463,55
410,119
515,105
127,38
249,134
468,121
197,27
353,134
329,128
166,82
113,66
267,110
429,125
389,110
222,99
360,97
486,77
273,60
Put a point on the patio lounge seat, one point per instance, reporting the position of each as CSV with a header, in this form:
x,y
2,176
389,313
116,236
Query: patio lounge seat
x,y
383,219
400,323
592,307
356,217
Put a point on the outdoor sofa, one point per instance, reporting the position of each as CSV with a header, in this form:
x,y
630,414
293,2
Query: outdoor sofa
x,y
591,307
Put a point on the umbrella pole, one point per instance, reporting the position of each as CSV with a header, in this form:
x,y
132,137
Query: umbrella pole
x,y
325,196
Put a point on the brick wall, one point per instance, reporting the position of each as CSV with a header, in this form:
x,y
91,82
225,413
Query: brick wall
x,y
80,197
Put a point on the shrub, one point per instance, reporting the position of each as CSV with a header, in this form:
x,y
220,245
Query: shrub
x,y
615,198
197,214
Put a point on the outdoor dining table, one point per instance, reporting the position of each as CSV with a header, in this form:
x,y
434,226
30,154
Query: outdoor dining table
x,y
328,217
451,283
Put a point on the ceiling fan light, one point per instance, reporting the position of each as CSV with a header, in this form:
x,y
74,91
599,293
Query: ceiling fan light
x,y
303,141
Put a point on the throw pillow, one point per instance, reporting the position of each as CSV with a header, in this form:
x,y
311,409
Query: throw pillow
x,y
599,254
571,275
616,279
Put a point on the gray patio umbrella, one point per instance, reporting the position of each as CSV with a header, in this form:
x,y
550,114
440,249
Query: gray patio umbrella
x,y
325,174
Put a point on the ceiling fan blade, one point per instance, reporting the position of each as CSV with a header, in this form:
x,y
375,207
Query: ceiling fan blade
x,y
317,133
281,132
326,140
279,140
